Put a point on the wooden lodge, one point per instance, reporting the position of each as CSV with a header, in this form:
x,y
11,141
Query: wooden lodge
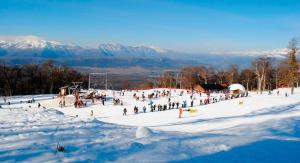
x,y
210,87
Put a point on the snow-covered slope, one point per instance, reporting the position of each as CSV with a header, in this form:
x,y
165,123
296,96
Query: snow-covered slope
x,y
259,128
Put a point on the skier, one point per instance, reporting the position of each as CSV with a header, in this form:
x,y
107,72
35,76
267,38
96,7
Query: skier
x,y
144,109
39,105
124,111
192,103
177,105
180,112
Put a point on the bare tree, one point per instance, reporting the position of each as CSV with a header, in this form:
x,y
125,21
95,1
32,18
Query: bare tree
x,y
203,74
246,77
232,74
261,66
221,76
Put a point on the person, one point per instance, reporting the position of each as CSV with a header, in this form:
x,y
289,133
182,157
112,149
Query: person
x,y
286,94
158,107
184,103
39,105
136,110
180,112
192,103
151,103
177,104
124,111
164,107
102,99
92,113
144,109
277,92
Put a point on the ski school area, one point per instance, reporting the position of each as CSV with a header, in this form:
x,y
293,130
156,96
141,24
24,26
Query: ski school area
x,y
153,125
151,107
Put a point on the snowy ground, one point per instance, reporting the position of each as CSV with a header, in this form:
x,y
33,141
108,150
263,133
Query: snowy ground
x,y
264,128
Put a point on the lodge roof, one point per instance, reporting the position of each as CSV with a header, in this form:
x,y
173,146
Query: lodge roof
x,y
213,86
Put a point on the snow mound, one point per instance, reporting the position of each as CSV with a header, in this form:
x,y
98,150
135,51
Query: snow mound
x,y
143,132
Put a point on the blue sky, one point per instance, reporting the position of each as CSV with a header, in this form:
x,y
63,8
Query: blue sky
x,y
182,25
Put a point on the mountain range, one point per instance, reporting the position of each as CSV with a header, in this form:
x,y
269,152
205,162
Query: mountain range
x,y
31,49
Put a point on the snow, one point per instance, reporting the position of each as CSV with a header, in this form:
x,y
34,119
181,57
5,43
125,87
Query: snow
x,y
234,87
27,42
26,98
142,132
275,53
258,128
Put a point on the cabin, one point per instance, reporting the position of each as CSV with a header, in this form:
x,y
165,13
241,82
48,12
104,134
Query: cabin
x,y
210,87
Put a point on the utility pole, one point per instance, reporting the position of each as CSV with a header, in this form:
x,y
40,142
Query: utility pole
x,y
106,80
276,78
89,81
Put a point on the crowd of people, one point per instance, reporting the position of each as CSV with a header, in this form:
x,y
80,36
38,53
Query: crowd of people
x,y
174,103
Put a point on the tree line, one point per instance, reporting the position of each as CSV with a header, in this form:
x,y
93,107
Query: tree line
x,y
263,74
42,78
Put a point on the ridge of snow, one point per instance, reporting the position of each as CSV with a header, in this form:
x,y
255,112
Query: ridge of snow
x,y
28,42
118,48
277,53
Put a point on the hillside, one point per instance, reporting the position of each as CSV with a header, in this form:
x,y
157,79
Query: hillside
x,y
264,128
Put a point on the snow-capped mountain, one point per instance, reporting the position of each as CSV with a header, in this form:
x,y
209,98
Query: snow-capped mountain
x,y
36,46
129,51
275,53
28,49
28,42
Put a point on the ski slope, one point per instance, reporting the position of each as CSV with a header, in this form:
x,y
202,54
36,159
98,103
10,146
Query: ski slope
x,y
258,128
